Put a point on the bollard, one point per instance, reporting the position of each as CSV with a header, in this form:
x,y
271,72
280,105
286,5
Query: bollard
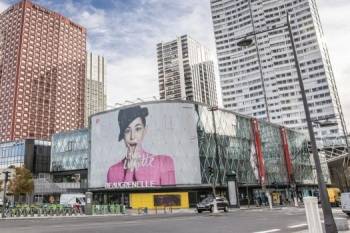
x,y
312,214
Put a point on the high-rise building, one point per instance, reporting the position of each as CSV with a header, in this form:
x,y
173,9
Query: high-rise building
x,y
95,86
185,71
42,72
261,79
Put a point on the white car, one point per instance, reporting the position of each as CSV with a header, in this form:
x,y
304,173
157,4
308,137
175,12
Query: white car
x,y
345,203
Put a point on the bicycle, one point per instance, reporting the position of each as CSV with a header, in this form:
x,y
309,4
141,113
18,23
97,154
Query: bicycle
x,y
7,213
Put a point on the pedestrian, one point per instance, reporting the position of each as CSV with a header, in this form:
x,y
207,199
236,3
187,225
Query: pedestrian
x,y
259,201
77,205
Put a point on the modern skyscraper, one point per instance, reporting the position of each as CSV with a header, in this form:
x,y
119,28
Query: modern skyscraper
x,y
95,94
185,71
261,79
42,72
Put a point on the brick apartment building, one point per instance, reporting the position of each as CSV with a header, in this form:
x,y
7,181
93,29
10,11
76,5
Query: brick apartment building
x,y
42,72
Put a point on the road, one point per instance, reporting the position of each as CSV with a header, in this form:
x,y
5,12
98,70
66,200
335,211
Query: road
x,y
243,221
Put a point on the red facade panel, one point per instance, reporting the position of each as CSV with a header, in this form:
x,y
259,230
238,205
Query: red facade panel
x,y
286,153
258,150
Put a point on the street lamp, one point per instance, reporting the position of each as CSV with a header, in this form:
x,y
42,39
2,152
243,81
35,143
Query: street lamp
x,y
329,222
245,42
217,156
4,197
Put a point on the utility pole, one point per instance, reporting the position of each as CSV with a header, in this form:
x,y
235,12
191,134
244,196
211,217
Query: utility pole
x,y
213,184
217,156
329,222
217,159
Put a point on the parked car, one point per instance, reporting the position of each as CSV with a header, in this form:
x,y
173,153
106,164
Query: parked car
x,y
345,203
208,204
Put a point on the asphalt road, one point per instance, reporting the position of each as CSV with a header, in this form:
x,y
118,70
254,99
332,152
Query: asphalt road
x,y
243,221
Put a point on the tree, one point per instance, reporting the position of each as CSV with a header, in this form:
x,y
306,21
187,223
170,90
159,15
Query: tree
x,y
22,183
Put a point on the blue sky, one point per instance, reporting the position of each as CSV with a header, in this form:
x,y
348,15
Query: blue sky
x,y
126,33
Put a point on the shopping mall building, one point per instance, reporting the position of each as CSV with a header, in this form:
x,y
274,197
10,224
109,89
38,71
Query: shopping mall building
x,y
161,153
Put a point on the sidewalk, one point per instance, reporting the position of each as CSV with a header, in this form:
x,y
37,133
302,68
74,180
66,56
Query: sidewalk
x,y
307,231
129,212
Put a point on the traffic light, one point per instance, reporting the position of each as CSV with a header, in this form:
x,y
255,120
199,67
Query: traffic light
x,y
309,148
210,171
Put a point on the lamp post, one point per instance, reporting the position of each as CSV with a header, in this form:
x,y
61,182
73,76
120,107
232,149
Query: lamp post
x,y
217,159
329,222
4,197
217,156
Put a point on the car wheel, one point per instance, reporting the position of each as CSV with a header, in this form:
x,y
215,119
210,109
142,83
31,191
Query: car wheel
x,y
348,214
226,209
199,211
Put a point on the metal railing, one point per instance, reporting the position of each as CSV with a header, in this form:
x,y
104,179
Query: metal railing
x,y
108,209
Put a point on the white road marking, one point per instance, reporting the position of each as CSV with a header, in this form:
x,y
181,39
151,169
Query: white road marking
x,y
297,226
268,231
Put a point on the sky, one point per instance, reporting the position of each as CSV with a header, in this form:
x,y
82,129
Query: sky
x,y
126,32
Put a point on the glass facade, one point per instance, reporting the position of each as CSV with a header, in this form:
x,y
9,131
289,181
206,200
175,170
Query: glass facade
x,y
69,150
272,150
298,149
41,156
32,154
234,144
12,153
236,149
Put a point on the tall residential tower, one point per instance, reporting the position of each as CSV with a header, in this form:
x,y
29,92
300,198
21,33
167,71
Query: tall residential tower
x,y
42,72
95,85
261,79
185,71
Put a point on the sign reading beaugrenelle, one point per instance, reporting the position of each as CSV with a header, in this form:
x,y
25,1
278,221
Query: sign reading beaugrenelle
x,y
133,184
144,146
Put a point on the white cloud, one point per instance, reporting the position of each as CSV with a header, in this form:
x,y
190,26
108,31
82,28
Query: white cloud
x,y
127,36
3,6
132,78
335,20
128,39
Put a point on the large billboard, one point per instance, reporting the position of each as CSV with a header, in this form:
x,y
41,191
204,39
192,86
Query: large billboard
x,y
145,145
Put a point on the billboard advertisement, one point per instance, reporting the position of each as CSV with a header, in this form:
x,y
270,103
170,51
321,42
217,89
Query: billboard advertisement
x,y
147,145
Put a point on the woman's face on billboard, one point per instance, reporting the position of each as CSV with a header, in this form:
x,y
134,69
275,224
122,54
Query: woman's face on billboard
x,y
134,133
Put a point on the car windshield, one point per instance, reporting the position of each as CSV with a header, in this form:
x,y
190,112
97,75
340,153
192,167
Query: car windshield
x,y
206,200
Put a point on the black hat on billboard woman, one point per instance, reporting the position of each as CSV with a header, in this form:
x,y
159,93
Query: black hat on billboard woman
x,y
127,115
